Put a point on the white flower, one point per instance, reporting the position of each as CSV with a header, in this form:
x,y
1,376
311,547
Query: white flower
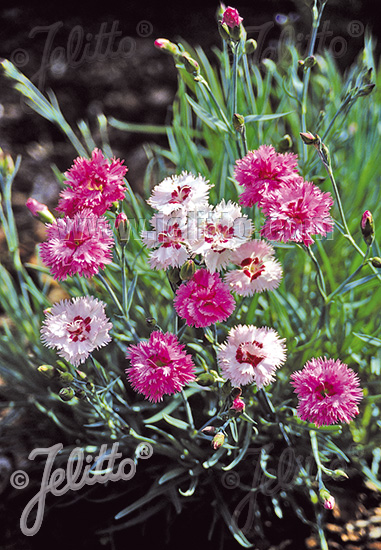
x,y
75,328
186,192
224,229
258,270
251,354
169,240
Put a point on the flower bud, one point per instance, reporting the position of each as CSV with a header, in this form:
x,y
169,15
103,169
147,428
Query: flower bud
x,y
187,270
122,225
250,46
48,371
190,64
151,322
309,62
339,474
223,29
366,90
236,392
231,18
65,378
367,227
174,275
376,262
80,394
82,375
218,440
7,166
238,406
40,210
205,379
238,123
209,430
308,138
329,503
66,394
285,143
167,46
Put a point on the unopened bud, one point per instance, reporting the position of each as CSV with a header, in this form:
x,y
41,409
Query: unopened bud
x,y
122,225
80,394
7,166
236,392
65,378
48,371
82,375
366,90
285,143
329,503
218,440
238,406
238,123
339,474
187,270
40,211
205,379
167,46
209,430
174,275
66,394
376,262
151,322
250,46
308,138
190,64
367,227
223,29
309,62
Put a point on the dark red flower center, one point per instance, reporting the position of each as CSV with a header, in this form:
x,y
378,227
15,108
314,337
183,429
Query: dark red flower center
x,y
250,352
180,194
78,328
172,237
325,389
252,268
222,232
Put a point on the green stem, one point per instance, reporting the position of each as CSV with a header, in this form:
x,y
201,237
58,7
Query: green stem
x,y
235,74
321,282
188,410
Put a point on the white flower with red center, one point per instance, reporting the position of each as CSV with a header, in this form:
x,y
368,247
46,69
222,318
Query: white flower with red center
x,y
224,229
257,269
186,192
251,355
169,241
75,328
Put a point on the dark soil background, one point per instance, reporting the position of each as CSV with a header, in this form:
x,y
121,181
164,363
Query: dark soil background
x,y
137,84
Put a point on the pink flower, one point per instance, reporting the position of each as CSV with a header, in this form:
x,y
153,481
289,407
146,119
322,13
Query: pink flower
x,y
263,170
328,391
77,245
185,192
251,354
92,183
204,299
159,366
224,229
297,211
231,17
75,328
238,406
169,240
257,269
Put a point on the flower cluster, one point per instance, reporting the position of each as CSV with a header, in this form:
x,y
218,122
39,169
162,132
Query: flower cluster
x,y
295,209
186,227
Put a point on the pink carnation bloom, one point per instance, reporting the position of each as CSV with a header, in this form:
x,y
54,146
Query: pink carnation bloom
x,y
224,229
231,17
257,269
77,245
297,211
204,299
159,366
328,392
186,192
169,240
251,354
262,171
92,183
75,328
